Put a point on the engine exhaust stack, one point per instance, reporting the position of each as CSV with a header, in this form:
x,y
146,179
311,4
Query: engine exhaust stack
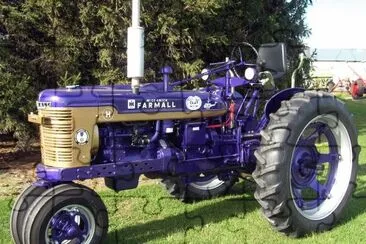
x,y
135,48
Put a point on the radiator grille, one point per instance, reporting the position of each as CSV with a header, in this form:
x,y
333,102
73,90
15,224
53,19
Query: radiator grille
x,y
56,136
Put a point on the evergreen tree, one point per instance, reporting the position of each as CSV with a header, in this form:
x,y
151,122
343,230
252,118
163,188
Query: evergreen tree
x,y
52,43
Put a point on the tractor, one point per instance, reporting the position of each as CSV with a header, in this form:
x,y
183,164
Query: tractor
x,y
358,88
300,146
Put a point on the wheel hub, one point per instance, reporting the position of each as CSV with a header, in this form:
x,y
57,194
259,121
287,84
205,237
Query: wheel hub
x,y
304,168
70,223
65,227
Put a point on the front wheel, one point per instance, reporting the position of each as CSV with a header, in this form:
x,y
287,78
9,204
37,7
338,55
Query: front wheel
x,y
67,213
306,164
20,209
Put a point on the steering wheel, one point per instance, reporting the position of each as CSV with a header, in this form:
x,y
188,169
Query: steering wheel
x,y
237,50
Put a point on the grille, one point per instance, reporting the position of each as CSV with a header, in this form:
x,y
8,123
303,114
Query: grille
x,y
56,136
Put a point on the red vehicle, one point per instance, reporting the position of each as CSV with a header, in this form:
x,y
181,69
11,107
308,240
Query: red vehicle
x,y
358,88
358,85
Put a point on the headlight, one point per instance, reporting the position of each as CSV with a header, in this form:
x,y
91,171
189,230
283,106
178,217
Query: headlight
x,y
205,75
249,74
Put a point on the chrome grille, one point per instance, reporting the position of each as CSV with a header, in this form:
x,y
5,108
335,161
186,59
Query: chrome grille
x,y
56,136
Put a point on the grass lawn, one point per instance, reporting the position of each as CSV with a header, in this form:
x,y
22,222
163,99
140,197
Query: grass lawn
x,y
148,214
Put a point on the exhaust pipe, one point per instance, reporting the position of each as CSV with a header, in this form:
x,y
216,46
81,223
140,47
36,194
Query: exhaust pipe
x,y
135,49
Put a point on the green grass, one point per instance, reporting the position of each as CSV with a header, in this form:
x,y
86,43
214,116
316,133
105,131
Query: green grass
x,y
148,214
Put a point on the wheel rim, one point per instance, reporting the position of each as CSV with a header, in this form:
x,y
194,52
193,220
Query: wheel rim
x,y
70,223
321,167
207,183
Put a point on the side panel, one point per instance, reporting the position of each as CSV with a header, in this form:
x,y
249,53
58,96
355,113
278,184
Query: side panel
x,y
69,136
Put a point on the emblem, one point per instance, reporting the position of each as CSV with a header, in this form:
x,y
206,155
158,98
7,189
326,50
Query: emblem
x,y
193,103
82,137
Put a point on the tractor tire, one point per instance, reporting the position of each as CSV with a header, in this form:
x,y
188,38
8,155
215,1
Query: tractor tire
x,y
69,213
207,188
20,209
303,187
357,89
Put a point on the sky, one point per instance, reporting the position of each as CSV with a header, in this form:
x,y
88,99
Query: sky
x,y
337,24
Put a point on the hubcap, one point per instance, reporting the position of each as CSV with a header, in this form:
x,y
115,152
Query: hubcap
x,y
321,167
71,224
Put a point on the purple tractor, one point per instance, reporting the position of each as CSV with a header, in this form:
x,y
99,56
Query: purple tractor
x,y
198,142
300,146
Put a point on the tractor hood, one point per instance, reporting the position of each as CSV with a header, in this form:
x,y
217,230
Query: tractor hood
x,y
151,98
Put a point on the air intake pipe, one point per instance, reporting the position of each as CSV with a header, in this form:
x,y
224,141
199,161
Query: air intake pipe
x,y
135,48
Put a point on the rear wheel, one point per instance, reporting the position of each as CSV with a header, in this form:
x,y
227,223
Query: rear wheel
x,y
204,188
306,164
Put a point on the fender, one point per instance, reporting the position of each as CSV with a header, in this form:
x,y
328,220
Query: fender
x,y
274,103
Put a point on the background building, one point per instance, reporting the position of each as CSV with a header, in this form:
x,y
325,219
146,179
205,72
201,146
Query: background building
x,y
340,64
